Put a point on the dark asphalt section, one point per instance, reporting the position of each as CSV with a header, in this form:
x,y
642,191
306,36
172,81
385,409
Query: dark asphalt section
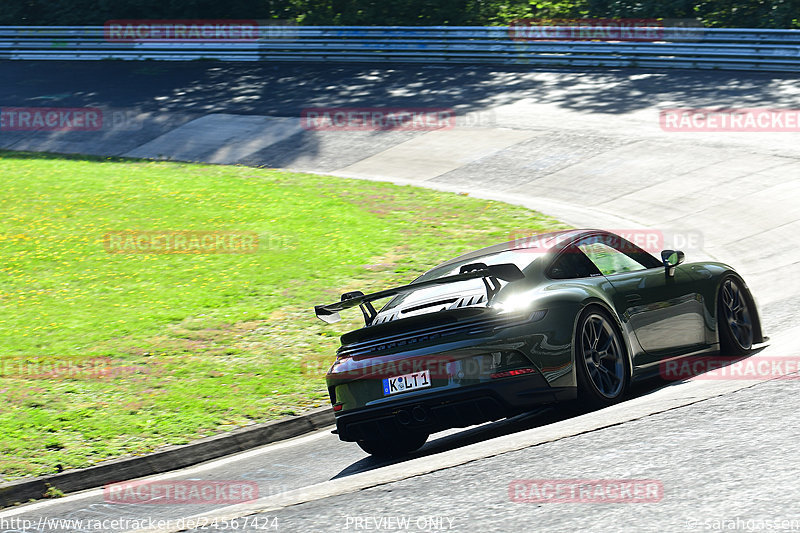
x,y
475,494
705,468
289,468
286,89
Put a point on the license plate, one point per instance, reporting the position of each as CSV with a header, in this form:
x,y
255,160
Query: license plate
x,y
417,380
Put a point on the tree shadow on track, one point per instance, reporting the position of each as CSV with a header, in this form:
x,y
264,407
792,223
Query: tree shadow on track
x,y
171,91
279,89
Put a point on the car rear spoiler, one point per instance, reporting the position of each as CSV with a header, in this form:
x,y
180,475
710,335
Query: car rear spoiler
x,y
506,272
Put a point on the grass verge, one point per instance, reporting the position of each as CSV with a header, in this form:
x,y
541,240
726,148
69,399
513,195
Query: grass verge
x,y
112,354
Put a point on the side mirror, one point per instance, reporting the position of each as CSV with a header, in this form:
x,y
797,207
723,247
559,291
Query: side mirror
x,y
671,259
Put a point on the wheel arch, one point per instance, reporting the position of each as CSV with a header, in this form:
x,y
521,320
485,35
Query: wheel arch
x,y
627,339
758,333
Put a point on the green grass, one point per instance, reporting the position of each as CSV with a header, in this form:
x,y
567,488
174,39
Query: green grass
x,y
156,349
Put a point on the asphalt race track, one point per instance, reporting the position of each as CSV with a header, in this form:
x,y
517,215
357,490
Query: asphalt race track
x,y
582,145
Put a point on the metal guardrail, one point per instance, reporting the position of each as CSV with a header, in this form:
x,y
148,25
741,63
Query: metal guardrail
x,y
725,49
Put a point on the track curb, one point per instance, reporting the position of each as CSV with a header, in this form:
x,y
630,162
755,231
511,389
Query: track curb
x,y
171,458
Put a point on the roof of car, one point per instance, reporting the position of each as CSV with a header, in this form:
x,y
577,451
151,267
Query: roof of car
x,y
533,240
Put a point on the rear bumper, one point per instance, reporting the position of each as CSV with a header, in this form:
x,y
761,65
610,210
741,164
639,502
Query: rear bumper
x,y
445,409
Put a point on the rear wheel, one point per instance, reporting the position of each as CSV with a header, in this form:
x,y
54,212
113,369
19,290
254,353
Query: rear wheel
x,y
401,445
600,358
734,318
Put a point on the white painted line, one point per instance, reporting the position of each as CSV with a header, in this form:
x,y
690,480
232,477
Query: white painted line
x,y
216,463
666,399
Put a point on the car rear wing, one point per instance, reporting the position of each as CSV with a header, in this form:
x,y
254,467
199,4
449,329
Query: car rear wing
x,y
506,272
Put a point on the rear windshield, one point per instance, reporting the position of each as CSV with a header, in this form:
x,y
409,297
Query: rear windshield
x,y
522,258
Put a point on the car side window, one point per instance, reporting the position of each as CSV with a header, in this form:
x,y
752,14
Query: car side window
x,y
572,263
607,259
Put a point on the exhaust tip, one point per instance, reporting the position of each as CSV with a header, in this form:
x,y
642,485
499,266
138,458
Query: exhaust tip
x,y
403,417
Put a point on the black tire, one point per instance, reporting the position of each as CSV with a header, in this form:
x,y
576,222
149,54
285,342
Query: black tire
x,y
601,359
406,444
734,318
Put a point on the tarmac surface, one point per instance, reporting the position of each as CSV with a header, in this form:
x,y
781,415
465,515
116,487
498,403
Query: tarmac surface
x,y
582,145
713,463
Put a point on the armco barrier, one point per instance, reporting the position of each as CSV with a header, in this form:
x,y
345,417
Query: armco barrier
x,y
679,47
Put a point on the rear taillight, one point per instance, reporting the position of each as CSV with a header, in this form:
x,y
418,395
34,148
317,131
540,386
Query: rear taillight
x,y
337,407
511,373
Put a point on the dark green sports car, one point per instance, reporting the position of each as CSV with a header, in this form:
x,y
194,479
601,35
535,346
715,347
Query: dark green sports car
x,y
503,330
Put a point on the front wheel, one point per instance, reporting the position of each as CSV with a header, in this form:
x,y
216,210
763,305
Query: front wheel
x,y
601,359
734,318
394,448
